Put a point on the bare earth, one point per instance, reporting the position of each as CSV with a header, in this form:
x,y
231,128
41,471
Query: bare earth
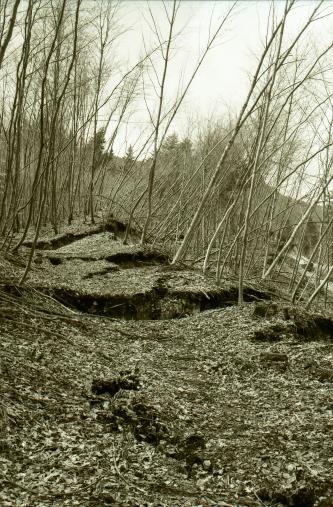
x,y
221,407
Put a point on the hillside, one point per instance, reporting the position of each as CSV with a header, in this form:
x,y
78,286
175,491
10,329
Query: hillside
x,y
175,203
128,382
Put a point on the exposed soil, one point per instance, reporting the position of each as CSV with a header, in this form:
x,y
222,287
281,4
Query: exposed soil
x,y
158,302
72,234
103,246
99,275
229,406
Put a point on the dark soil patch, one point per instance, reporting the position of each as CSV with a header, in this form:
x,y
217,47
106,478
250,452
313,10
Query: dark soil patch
x,y
116,228
63,239
119,229
146,421
122,259
160,303
273,332
281,320
110,268
143,419
104,247
138,259
126,379
302,495
136,307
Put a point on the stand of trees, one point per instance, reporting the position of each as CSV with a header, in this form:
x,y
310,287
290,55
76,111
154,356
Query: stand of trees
x,y
247,196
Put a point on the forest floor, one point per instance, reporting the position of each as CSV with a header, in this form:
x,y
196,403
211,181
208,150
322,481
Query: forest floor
x,y
101,405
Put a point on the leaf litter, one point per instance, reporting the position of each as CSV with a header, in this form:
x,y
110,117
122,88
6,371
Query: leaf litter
x,y
203,413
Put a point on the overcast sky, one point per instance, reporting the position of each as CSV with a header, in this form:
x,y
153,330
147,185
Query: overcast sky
x,y
222,81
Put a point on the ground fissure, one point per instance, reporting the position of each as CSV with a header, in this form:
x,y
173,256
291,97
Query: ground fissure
x,y
228,405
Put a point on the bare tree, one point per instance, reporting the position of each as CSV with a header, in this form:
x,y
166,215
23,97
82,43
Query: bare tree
x,y
49,156
8,35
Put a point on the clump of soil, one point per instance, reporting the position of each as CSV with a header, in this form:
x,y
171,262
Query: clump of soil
x,y
282,321
139,416
126,379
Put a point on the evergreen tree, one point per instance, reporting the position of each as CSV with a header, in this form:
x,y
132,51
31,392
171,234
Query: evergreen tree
x,y
170,144
99,145
129,155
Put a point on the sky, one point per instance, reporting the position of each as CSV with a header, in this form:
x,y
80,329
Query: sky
x,y
222,82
